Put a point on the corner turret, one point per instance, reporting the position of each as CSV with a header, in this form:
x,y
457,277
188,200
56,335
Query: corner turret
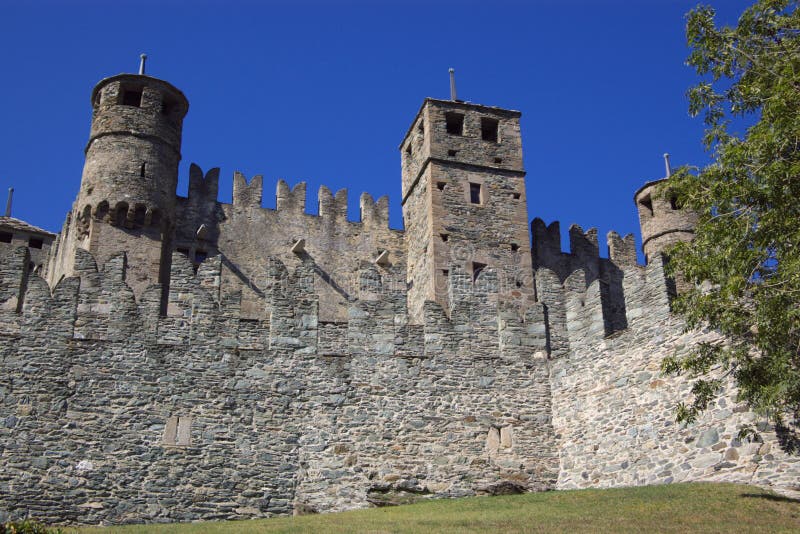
x,y
127,195
662,221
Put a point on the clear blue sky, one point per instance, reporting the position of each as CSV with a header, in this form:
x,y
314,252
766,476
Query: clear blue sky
x,y
324,91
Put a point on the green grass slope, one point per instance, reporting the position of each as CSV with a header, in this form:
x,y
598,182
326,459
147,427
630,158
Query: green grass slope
x,y
672,508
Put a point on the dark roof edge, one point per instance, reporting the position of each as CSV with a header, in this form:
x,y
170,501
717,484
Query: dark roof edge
x,y
646,185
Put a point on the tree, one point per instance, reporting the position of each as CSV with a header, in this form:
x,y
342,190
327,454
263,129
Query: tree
x,y
744,263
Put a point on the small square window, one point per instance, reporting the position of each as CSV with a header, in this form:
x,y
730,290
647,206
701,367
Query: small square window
x,y
132,97
445,237
455,123
35,242
6,237
647,204
489,129
452,153
440,185
475,193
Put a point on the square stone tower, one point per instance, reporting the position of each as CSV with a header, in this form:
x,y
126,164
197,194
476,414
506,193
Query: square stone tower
x,y
464,201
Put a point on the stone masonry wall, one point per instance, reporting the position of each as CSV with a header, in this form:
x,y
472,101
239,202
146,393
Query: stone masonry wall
x,y
614,412
112,413
244,233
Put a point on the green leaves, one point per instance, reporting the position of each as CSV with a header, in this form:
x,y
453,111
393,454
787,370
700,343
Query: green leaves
x,y
744,262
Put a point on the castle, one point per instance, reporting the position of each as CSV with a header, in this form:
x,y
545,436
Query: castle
x,y
175,359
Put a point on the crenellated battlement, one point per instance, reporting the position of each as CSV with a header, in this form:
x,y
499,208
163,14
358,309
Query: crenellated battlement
x,y
589,297
203,187
97,305
584,250
291,200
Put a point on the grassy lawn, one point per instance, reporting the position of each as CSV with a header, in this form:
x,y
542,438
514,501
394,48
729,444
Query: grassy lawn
x,y
672,508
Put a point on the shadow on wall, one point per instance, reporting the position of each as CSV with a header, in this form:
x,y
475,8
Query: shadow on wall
x,y
789,437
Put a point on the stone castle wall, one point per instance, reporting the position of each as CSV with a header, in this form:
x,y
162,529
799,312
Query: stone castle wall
x,y
113,413
614,412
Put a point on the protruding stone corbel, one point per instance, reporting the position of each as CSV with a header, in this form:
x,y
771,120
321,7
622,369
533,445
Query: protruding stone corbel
x,y
383,258
299,246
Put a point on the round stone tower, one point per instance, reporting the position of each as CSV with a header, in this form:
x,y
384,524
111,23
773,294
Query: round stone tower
x,y
662,221
127,197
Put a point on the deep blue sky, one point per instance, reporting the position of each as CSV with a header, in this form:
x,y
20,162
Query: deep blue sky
x,y
324,91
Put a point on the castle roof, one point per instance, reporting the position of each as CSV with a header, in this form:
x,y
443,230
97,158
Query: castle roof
x,y
21,226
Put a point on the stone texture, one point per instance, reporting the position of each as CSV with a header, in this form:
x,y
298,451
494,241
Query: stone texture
x,y
182,363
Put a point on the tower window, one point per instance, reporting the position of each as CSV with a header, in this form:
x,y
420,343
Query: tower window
x,y
475,193
139,214
143,170
440,185
421,129
445,237
455,123
6,237
514,247
408,148
489,129
673,202
477,268
498,160
647,204
516,196
452,153
132,97
35,242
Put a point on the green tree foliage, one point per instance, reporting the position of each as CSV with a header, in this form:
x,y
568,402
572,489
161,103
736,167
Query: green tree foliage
x,y
745,259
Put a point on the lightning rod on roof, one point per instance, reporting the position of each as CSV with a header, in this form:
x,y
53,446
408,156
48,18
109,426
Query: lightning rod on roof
x,y
8,202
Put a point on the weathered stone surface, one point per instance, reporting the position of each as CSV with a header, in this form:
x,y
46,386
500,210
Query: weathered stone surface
x,y
191,365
